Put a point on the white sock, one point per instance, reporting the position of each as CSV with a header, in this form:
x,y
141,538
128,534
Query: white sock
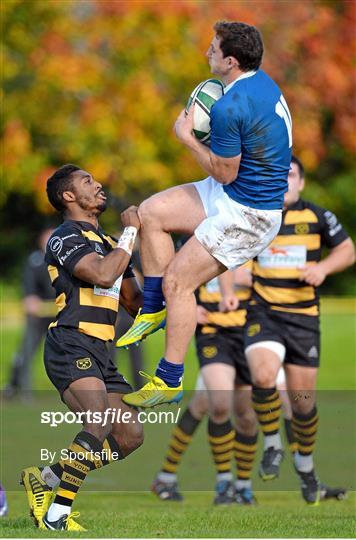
x,y
273,440
168,478
241,484
223,476
58,510
49,477
303,463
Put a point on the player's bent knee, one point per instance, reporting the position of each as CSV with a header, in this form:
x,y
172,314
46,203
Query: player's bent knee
x,y
246,422
199,407
302,404
219,412
264,377
129,437
100,432
149,212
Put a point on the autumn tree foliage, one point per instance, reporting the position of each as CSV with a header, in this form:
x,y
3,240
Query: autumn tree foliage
x,y
99,83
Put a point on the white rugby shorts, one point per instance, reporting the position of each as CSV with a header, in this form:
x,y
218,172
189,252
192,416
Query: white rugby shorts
x,y
233,233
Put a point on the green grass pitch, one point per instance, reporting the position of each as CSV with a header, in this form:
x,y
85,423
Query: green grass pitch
x,y
116,501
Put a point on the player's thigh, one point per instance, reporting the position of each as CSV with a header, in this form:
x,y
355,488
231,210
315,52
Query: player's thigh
x,y
264,361
264,348
191,267
178,209
86,394
127,429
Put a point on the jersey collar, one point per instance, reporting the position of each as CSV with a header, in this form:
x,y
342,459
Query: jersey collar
x,y
298,205
243,76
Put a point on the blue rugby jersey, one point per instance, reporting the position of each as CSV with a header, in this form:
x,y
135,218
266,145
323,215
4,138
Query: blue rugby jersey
x,y
252,119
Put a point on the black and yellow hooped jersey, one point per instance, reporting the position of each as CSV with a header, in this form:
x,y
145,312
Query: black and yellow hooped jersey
x,y
89,308
305,230
209,296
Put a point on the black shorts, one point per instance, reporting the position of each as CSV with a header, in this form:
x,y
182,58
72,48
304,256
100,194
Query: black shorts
x,y
224,346
298,333
70,355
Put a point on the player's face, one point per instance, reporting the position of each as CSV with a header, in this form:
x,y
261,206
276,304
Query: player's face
x,y
218,64
295,185
88,192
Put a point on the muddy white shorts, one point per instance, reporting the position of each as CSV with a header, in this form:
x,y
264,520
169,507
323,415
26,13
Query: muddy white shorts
x,y
233,233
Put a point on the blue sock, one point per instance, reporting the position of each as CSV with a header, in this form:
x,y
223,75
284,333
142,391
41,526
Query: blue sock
x,y
170,373
153,299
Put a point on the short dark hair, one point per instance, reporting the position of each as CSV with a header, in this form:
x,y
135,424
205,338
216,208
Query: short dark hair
x,y
242,41
299,165
58,183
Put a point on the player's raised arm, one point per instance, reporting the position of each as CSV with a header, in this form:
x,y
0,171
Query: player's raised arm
x,y
222,169
104,271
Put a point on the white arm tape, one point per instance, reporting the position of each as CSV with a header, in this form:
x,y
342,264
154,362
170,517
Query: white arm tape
x,y
127,239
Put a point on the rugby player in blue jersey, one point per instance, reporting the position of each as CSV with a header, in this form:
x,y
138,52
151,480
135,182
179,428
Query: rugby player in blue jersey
x,y
233,214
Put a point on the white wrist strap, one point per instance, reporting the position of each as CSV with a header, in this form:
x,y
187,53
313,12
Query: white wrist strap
x,y
127,239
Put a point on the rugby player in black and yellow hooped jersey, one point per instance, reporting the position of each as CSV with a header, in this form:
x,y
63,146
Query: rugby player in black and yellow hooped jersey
x,y
283,325
90,272
223,390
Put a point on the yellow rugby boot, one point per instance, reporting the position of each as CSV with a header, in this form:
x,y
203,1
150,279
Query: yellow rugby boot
x,y
64,523
39,495
143,326
155,392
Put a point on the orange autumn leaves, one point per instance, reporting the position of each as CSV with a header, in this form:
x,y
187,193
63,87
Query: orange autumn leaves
x,y
100,84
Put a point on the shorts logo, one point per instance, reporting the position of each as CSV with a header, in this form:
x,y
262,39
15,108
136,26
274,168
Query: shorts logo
x,y
301,228
209,352
253,329
83,363
313,352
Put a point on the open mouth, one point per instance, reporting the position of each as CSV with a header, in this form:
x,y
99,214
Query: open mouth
x,y
101,195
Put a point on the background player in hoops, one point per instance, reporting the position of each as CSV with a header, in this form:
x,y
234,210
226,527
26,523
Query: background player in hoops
x,y
90,273
234,213
283,326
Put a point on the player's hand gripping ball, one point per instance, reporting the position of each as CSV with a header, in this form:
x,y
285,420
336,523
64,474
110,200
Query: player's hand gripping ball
x,y
204,96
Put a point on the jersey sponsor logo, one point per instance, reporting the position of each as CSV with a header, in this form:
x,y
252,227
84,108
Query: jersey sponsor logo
x,y
301,228
69,236
69,252
283,257
313,352
333,224
113,292
55,244
83,363
253,329
210,352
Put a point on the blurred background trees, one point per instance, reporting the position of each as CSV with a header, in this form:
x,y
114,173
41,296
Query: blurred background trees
x,y
100,84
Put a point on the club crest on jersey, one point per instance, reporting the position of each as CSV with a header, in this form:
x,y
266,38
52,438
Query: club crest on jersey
x,y
301,228
209,352
98,249
253,329
83,363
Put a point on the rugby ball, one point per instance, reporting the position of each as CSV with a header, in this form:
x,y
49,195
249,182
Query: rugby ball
x,y
204,96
